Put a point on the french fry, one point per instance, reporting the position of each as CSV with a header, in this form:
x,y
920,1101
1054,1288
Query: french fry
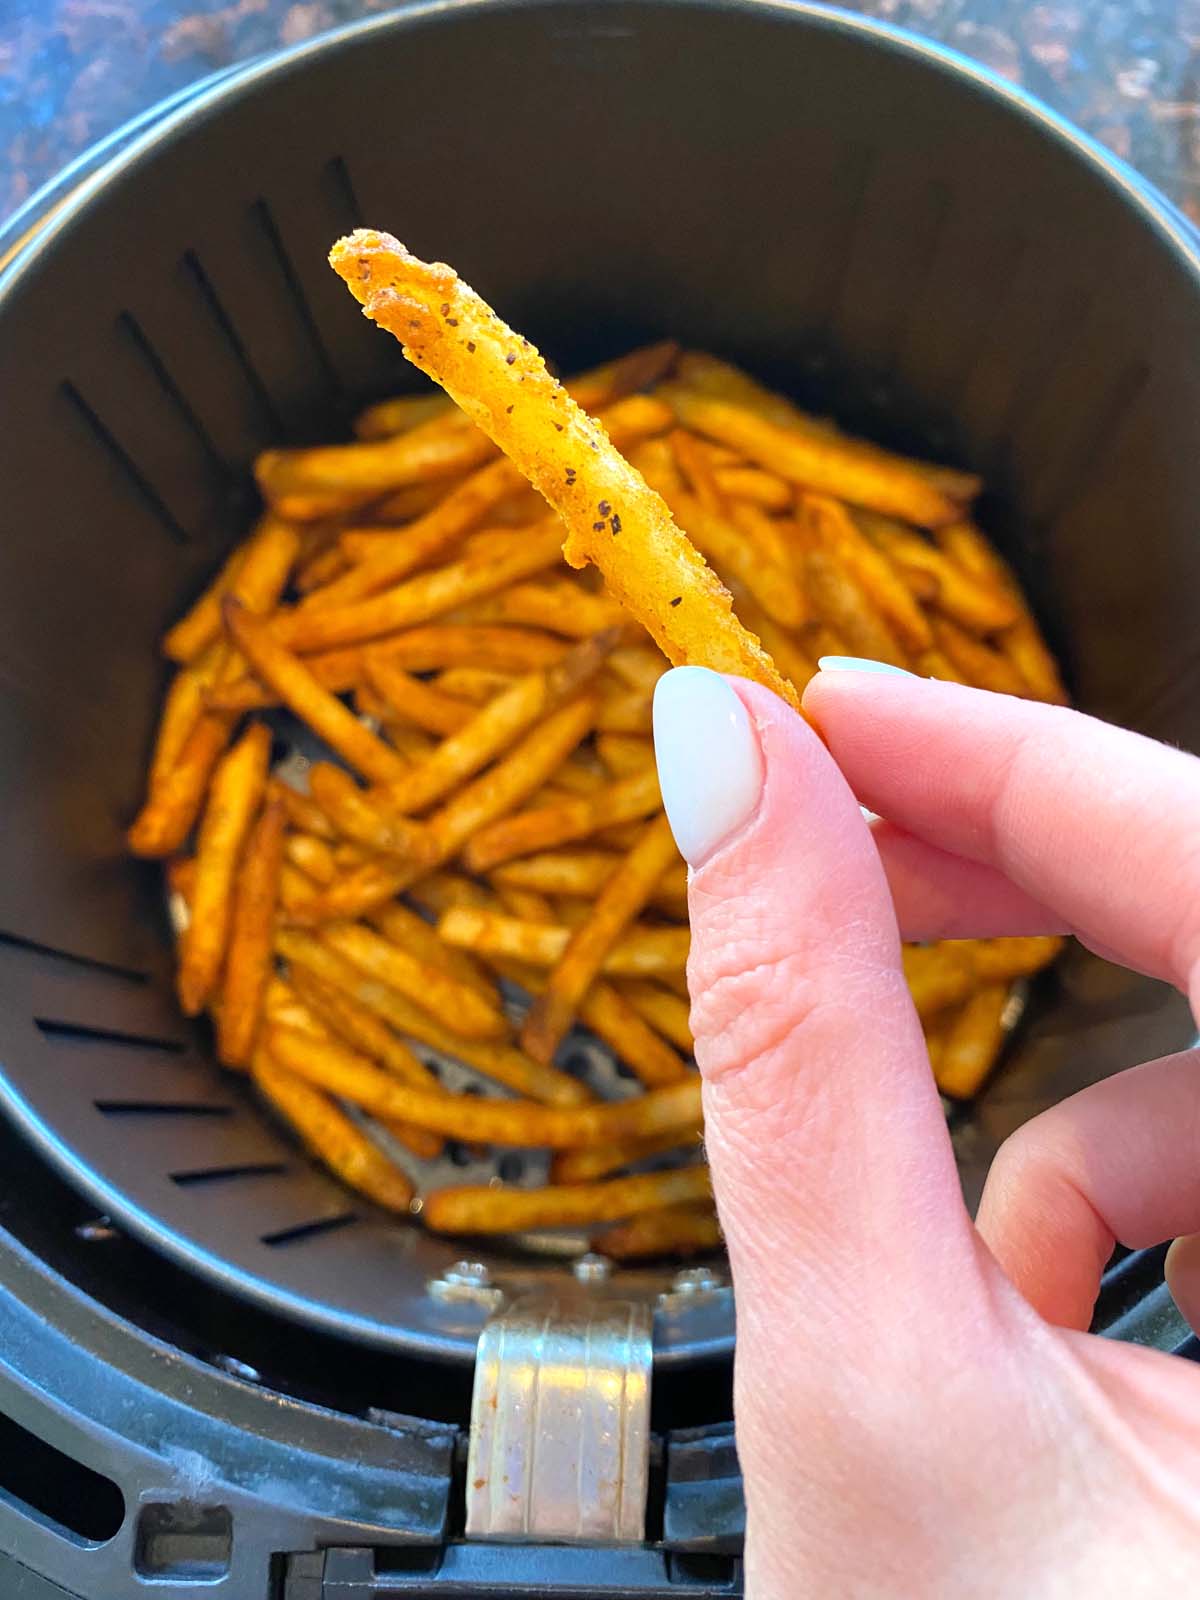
x,y
200,626
414,700
697,471
328,1133
404,926
755,487
972,1042
624,753
557,606
939,975
172,806
599,1160
648,564
491,795
458,1006
233,800
250,956
625,710
282,1004
936,664
322,568
639,953
841,602
978,663
386,418
611,1018
486,1210
476,684
664,1011
525,904
582,873
626,800
485,1120
686,1230
498,725
301,693
621,900
503,1063
1021,641
997,959
185,703
823,463
364,1031
303,813
837,533
348,474
359,817
976,606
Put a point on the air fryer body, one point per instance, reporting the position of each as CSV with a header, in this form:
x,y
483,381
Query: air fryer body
x,y
888,236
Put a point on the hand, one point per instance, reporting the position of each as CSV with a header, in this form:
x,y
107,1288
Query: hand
x,y
920,1411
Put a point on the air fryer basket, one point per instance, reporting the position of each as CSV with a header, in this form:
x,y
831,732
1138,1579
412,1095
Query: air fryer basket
x,y
863,221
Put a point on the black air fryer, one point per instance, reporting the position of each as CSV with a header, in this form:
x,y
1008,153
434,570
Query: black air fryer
x,y
219,1372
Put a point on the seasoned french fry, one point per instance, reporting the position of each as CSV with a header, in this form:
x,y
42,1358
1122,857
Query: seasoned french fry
x,y
414,700
582,873
476,684
755,487
386,418
1021,641
697,471
330,1135
841,602
664,1011
599,1160
639,953
487,1121
837,533
251,936
500,1062
524,904
185,703
624,753
233,800
978,663
296,480
460,1007
824,463
487,1210
998,959
938,976
686,1230
323,568
648,564
199,627
621,900
301,692
491,795
303,812
357,815
625,710
497,726
972,1042
558,606
404,926
172,806
626,800
976,606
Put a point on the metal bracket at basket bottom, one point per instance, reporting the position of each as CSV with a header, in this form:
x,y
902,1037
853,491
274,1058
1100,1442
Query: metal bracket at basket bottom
x,y
560,1421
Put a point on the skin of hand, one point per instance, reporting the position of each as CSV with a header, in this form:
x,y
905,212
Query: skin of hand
x,y
920,1410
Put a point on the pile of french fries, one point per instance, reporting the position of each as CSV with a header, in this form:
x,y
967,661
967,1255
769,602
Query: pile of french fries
x,y
489,810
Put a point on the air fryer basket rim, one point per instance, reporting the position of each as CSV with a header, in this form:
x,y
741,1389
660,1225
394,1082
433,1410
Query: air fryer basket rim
x,y
210,100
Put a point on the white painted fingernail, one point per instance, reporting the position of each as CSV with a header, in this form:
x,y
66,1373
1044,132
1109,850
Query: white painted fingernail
x,y
710,767
860,664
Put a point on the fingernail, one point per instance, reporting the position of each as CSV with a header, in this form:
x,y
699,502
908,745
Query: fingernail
x,y
710,767
860,664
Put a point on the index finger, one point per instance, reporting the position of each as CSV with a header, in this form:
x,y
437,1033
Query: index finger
x,y
1090,820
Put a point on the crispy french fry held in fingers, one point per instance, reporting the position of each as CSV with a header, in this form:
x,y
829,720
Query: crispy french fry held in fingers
x,y
621,900
233,800
501,382
522,1123
487,1210
329,1134
249,959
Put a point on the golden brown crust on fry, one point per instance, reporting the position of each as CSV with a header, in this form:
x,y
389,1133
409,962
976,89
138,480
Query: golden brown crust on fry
x,y
487,1210
251,938
673,1231
614,519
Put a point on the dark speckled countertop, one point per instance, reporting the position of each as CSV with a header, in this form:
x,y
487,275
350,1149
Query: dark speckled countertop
x,y
1128,71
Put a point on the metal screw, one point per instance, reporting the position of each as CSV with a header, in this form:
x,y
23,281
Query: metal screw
x,y
96,1231
470,1274
696,1280
238,1369
592,1268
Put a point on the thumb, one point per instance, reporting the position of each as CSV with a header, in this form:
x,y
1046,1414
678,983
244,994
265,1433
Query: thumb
x,y
831,1163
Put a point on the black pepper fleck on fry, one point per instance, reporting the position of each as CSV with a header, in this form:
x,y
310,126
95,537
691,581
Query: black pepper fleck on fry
x,y
570,474
616,524
598,527
559,426
508,408
604,508
677,600
471,346
446,309
452,322
509,359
